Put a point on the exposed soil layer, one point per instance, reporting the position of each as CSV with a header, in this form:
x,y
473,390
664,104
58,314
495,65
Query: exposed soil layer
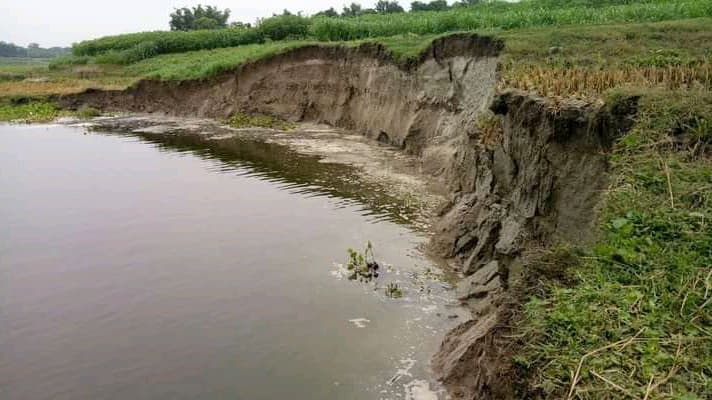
x,y
531,178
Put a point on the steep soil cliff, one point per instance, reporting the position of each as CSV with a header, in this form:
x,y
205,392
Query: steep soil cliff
x,y
530,177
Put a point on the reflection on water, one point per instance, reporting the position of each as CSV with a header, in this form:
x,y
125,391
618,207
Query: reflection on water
x,y
203,270
298,173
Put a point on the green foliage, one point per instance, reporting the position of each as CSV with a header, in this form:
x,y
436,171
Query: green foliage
x,y
68,59
28,111
640,315
205,63
126,49
362,266
353,10
435,5
385,22
284,27
241,120
388,7
206,23
14,68
199,17
505,16
327,13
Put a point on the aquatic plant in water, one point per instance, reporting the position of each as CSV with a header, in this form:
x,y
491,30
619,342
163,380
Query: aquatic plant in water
x,y
362,266
394,291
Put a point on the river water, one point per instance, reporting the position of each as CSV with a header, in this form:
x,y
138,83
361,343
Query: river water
x,y
135,268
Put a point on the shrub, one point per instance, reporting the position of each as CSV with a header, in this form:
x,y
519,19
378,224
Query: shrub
x,y
283,27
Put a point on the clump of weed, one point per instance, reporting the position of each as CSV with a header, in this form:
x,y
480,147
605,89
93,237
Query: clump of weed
x,y
242,120
362,266
394,291
32,111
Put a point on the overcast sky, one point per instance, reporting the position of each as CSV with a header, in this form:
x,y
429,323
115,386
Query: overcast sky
x,y
62,22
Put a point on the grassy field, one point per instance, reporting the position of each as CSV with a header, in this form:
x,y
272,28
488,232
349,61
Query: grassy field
x,y
16,68
499,15
592,60
71,78
505,16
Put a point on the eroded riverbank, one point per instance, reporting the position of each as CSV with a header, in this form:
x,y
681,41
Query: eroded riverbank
x,y
521,172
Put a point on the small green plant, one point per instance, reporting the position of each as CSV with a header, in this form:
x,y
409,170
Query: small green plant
x,y
394,291
362,266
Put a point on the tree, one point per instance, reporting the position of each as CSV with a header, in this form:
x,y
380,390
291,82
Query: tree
x,y
437,5
206,23
240,25
354,10
466,3
327,13
11,50
388,7
283,27
199,17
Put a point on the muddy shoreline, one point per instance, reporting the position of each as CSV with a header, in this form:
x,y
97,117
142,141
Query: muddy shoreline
x,y
530,177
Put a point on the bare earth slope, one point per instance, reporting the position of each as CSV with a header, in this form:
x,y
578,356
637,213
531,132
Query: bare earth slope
x,y
529,180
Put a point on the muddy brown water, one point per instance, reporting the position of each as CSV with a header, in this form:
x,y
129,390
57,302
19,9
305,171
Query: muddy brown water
x,y
142,268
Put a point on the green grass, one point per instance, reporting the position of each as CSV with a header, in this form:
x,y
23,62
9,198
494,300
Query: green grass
x,y
125,49
639,318
499,16
643,288
505,16
611,45
17,68
206,63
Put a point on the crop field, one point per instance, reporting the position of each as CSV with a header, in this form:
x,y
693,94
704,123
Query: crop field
x,y
492,16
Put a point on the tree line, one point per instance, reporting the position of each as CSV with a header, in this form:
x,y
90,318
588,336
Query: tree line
x,y
33,50
210,17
